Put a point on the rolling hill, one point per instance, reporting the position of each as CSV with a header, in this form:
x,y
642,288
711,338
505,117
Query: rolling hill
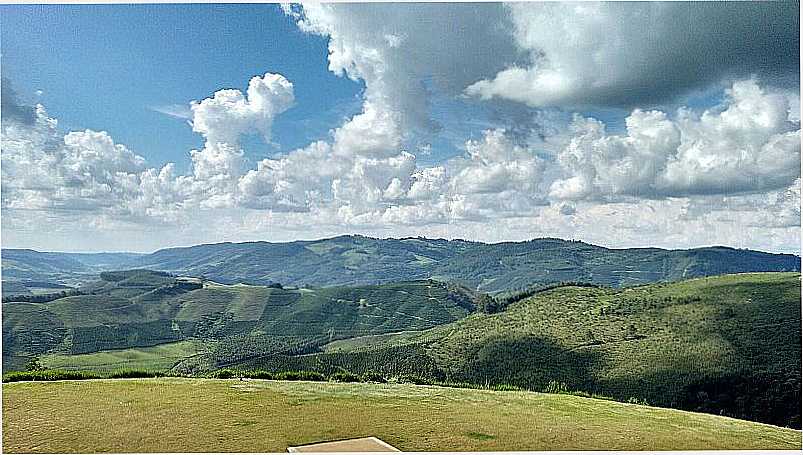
x,y
33,272
727,345
357,260
141,308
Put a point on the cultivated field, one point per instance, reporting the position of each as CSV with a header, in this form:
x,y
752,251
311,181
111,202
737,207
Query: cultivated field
x,y
202,415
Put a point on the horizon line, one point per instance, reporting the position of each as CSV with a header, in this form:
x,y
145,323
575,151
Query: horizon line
x,y
321,239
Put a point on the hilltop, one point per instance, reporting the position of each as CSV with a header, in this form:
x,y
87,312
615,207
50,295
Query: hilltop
x,y
358,260
224,416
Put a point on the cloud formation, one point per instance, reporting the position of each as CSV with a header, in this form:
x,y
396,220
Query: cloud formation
x,y
739,159
623,53
228,114
748,144
726,171
402,52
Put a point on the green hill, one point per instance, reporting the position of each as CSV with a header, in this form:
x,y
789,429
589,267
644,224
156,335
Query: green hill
x,y
141,308
728,344
358,260
268,416
725,345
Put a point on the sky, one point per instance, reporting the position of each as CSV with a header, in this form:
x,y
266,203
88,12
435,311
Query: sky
x,y
139,127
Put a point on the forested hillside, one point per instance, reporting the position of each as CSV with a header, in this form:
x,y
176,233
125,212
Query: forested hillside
x,y
357,260
143,308
726,345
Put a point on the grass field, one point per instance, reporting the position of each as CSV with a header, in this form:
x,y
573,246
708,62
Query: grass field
x,y
201,415
156,358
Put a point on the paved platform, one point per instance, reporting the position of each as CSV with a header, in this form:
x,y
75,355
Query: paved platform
x,y
370,444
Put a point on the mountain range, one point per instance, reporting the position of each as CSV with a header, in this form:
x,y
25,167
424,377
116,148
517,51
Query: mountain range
x,y
356,260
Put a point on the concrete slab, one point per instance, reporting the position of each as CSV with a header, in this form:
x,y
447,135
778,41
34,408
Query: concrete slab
x,y
370,444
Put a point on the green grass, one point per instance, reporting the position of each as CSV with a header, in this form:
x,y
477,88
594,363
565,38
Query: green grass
x,y
267,416
161,357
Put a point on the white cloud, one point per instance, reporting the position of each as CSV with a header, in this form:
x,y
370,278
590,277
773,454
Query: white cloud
x,y
80,171
222,119
678,178
494,165
94,154
622,53
229,113
295,182
427,183
747,145
87,171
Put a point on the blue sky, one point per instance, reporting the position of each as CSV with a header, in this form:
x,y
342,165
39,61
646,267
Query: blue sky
x,y
111,67
623,124
105,67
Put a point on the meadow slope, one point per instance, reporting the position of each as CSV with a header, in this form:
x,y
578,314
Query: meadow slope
x,y
267,416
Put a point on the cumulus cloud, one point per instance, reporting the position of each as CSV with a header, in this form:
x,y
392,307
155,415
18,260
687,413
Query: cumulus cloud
x,y
222,120
622,53
80,171
229,113
495,164
295,182
86,170
748,144
398,49
730,171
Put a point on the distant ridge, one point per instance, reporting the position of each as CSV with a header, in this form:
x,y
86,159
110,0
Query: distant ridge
x,y
361,260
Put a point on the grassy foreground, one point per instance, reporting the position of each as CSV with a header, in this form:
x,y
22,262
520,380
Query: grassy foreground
x,y
203,415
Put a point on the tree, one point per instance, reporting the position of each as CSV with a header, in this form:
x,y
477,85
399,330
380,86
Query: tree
x,y
34,365
489,304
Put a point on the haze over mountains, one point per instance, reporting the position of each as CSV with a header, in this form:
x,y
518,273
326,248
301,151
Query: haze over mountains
x,y
358,260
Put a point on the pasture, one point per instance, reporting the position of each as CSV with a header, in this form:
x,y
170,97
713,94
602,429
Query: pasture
x,y
203,415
